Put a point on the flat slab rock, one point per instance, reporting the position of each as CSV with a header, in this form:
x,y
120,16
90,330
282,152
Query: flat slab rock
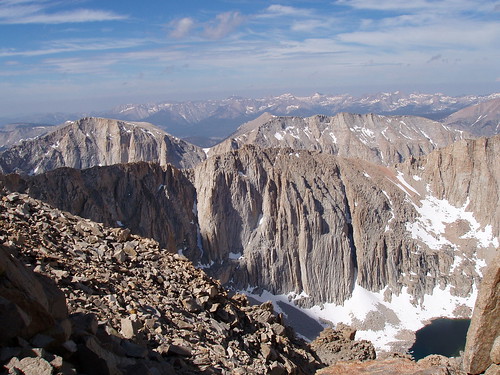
x,y
391,366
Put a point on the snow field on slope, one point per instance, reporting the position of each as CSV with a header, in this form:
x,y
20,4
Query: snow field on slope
x,y
397,316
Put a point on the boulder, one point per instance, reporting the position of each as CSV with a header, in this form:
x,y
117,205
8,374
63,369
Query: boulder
x,y
30,303
338,345
484,329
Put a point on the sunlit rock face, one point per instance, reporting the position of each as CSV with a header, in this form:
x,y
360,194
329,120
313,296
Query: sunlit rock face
x,y
380,139
97,142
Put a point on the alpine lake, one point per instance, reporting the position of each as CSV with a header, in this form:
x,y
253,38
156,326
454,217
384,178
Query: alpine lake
x,y
442,336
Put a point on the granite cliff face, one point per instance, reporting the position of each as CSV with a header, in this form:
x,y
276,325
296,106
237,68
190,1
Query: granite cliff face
x,y
286,221
382,139
482,350
466,174
96,141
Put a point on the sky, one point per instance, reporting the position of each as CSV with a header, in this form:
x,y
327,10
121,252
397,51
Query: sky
x,y
84,55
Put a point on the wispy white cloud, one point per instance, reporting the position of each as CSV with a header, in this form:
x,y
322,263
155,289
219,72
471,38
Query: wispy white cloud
x,y
74,45
309,25
181,28
277,10
223,25
219,27
416,5
81,66
36,12
74,16
362,42
423,25
454,36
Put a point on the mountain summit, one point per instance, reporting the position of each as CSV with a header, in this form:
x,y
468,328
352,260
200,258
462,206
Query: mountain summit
x,y
95,141
382,139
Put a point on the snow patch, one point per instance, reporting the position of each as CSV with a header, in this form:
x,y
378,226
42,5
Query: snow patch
x,y
405,186
405,313
435,214
333,137
261,219
278,136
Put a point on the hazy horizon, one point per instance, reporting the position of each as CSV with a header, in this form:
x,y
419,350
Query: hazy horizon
x,y
89,55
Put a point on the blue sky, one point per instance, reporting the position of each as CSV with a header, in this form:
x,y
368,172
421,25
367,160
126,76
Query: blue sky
x,y
79,55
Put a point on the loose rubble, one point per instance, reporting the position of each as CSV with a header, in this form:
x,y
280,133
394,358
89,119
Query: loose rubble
x,y
132,308
333,346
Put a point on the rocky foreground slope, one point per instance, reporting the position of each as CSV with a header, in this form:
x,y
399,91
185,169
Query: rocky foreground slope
x,y
95,141
133,308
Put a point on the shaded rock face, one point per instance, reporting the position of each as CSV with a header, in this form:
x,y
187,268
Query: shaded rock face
x,y
30,303
259,207
382,139
96,141
483,338
134,308
151,200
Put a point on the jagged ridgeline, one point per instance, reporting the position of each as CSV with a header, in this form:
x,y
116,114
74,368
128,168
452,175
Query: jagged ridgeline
x,y
96,141
380,139
273,210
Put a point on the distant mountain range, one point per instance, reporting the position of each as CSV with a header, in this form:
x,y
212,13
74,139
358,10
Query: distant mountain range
x,y
381,139
207,122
